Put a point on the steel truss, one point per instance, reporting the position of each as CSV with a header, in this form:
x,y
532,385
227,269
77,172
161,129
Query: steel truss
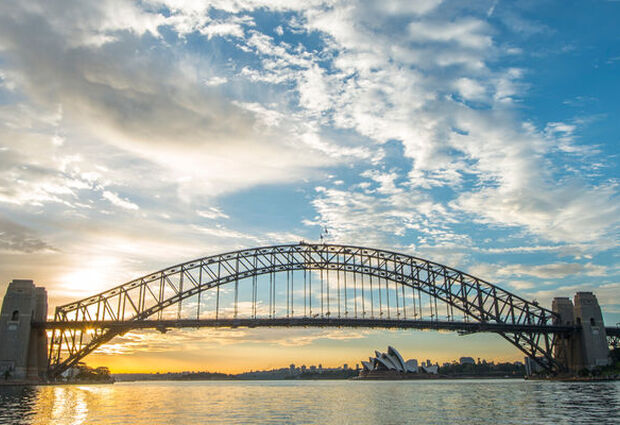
x,y
82,326
613,336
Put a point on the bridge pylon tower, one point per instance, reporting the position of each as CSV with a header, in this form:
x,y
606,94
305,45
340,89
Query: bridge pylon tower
x,y
23,348
587,348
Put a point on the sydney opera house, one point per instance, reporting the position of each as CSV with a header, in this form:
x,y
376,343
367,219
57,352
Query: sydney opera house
x,y
392,365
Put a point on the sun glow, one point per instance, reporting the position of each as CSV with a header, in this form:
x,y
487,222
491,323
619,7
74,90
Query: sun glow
x,y
96,276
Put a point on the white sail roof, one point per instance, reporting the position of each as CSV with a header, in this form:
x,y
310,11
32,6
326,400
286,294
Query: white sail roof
x,y
392,360
393,352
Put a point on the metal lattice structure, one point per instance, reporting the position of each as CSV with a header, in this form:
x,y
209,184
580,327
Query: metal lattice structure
x,y
613,336
369,288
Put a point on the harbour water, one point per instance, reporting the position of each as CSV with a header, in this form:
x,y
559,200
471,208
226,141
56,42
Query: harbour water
x,y
315,402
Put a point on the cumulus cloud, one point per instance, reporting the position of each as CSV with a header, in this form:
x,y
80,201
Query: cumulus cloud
x,y
392,88
167,116
378,212
470,89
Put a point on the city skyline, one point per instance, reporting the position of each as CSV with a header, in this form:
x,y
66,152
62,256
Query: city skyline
x,y
354,365
234,355
134,136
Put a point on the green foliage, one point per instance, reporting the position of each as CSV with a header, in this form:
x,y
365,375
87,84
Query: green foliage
x,y
483,369
86,373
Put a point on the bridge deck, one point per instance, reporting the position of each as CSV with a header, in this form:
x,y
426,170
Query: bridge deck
x,y
303,322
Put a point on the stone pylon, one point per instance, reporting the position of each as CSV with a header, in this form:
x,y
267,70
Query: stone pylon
x,y
23,350
587,348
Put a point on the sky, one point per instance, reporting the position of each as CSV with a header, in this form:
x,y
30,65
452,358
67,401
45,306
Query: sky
x,y
136,135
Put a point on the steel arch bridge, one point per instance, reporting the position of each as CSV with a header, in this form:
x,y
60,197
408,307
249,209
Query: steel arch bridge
x,y
342,286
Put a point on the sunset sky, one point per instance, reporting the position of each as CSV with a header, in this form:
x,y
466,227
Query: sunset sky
x,y
136,135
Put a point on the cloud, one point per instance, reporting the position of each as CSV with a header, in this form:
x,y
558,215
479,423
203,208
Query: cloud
x,y
159,109
153,341
470,89
607,295
390,89
469,33
167,117
212,213
118,201
446,140
15,238
216,81
521,284
518,189
27,180
223,29
539,275
222,232
552,271
380,212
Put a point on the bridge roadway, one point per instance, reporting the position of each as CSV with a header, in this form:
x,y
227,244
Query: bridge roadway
x,y
465,327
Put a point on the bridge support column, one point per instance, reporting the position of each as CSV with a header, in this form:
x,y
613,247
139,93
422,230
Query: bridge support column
x,y
587,348
23,350
566,350
593,338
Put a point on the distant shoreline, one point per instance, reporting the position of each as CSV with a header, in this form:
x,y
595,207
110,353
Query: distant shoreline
x,y
324,378
440,378
46,383
355,378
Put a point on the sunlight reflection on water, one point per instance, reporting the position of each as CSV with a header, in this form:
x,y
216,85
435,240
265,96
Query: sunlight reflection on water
x,y
309,402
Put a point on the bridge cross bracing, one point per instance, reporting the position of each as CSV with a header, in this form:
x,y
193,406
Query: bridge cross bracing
x,y
304,285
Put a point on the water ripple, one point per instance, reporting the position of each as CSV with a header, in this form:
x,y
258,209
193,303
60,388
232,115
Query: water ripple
x,y
311,402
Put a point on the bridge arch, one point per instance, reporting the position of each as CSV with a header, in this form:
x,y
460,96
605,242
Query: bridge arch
x,y
139,302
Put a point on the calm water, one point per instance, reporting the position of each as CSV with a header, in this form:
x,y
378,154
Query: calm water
x,y
315,402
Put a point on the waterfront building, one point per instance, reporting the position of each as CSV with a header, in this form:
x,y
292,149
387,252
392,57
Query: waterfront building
x,y
391,365
467,360
412,365
532,367
431,369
